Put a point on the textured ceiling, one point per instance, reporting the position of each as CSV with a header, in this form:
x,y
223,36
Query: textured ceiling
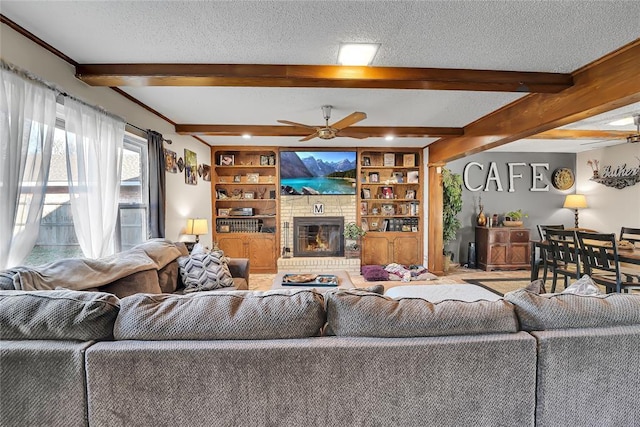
x,y
549,36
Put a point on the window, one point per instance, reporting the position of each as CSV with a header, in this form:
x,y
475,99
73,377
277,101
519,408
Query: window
x,y
57,238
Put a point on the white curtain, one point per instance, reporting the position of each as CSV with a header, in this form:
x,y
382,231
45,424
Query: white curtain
x,y
27,125
94,158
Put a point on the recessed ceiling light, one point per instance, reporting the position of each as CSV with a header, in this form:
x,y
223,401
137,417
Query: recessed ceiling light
x,y
246,136
623,122
388,138
357,53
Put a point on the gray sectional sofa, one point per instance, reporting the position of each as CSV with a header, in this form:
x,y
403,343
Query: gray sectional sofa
x,y
300,358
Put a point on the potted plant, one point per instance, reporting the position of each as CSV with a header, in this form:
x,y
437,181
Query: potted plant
x,y
451,207
352,235
514,218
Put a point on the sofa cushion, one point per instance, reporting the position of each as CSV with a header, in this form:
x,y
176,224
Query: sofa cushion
x,y
140,282
168,277
560,311
366,314
6,279
232,315
205,271
57,315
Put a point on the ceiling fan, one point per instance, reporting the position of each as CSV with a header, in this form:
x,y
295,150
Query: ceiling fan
x,y
633,138
331,131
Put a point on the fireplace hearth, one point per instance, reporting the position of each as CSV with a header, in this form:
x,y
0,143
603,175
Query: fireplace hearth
x,y
318,236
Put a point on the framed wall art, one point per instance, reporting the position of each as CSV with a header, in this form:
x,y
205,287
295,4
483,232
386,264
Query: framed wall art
x,y
206,172
227,160
409,160
190,167
389,159
170,161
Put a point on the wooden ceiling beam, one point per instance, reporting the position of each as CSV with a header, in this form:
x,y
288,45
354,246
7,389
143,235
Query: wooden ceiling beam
x,y
333,76
267,130
608,83
581,134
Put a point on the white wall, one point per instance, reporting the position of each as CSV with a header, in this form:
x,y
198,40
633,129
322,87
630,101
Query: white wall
x,y
609,208
182,200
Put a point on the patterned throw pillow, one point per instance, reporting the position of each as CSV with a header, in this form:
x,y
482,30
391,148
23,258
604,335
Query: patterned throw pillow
x,y
205,271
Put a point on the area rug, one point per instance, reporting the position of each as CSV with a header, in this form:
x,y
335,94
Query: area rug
x,y
501,285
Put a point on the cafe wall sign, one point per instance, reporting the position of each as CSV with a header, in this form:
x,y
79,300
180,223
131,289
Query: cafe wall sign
x,y
619,177
514,171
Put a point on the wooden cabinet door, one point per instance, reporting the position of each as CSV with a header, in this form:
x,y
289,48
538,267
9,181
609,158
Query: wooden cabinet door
x,y
232,246
519,254
262,254
375,250
406,250
497,254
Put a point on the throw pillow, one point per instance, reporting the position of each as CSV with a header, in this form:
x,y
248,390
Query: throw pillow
x,y
374,273
537,287
583,286
221,315
564,311
365,314
204,272
57,315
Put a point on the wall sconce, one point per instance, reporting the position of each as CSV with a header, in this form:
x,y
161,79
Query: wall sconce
x,y
575,202
197,227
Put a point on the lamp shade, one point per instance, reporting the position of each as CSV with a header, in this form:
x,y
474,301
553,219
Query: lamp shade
x,y
575,201
197,226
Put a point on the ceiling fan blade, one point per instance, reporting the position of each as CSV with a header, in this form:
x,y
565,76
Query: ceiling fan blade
x,y
306,138
355,135
287,122
351,119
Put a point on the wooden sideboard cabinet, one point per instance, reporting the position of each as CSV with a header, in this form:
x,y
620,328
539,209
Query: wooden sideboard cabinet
x,y
503,248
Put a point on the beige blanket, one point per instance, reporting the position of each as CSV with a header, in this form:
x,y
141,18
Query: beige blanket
x,y
84,273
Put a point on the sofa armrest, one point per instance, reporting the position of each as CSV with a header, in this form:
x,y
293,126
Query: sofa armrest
x,y
239,267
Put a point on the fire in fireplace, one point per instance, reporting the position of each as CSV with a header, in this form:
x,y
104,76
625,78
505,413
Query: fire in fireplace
x,y
318,236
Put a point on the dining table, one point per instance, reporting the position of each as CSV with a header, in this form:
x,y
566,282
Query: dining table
x,y
630,256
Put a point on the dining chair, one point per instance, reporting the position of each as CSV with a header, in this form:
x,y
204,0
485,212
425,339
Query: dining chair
x,y
599,253
630,234
545,254
542,230
564,259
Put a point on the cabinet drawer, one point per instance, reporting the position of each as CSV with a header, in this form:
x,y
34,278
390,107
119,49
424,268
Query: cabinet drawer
x,y
499,236
520,236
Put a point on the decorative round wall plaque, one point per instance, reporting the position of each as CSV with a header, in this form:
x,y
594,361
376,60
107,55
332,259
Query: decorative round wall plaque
x,y
562,178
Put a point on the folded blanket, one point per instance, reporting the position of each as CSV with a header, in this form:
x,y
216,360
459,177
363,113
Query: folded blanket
x,y
84,273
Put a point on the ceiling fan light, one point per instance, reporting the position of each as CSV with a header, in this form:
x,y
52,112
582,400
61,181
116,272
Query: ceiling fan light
x,y
622,122
357,53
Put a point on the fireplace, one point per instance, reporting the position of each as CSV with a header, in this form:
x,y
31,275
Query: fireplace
x,y
318,236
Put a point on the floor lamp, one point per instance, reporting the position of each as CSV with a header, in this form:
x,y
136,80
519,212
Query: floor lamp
x,y
575,202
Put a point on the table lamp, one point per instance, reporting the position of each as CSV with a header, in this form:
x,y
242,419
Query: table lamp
x,y
575,202
197,227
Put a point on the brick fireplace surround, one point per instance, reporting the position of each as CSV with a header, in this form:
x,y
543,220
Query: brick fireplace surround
x,y
303,206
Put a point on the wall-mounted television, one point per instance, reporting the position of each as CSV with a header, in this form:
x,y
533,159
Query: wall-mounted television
x,y
317,172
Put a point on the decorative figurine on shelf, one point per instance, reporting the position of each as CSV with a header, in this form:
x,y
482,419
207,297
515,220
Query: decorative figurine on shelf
x,y
261,192
482,218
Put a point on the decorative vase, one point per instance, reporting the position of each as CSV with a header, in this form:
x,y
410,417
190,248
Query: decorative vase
x,y
482,218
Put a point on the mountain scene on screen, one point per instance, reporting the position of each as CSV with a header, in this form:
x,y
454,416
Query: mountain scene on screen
x,y
321,172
